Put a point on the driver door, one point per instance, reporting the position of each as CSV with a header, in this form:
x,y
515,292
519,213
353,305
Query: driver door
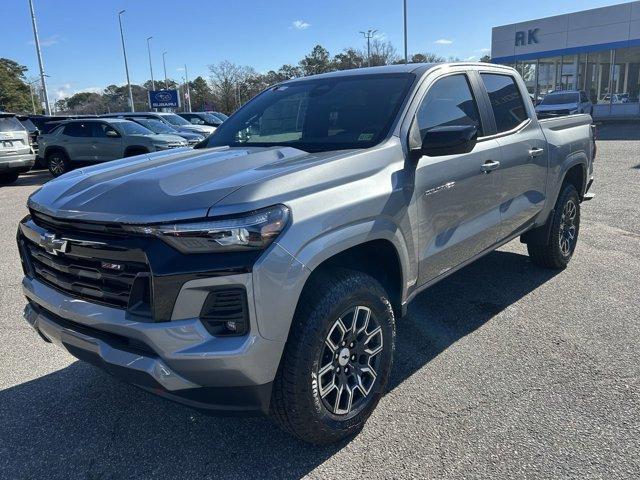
x,y
457,196
106,142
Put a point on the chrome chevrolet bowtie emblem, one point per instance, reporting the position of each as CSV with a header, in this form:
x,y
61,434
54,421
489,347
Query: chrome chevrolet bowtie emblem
x,y
53,245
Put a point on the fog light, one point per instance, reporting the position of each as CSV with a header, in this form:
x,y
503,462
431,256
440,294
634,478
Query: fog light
x,y
232,326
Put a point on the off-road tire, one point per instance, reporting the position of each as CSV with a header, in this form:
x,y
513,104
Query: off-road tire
x,y
552,254
296,404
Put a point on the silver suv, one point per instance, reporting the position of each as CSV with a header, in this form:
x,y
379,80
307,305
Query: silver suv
x,y
79,142
16,154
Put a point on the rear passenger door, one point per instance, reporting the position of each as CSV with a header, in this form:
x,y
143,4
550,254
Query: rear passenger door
x,y
458,203
523,165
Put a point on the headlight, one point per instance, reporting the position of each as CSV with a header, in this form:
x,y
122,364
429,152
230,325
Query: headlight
x,y
252,231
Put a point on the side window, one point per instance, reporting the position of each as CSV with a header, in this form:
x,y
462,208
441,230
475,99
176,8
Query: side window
x,y
448,102
100,129
506,101
77,130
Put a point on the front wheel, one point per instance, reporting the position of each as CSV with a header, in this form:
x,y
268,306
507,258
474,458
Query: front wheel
x,y
337,360
563,237
58,163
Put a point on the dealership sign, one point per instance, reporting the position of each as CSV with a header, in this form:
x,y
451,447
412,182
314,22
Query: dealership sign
x,y
164,99
527,38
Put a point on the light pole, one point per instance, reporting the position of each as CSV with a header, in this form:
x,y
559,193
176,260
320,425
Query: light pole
x,y
186,76
164,65
406,56
33,102
39,53
153,83
126,66
369,35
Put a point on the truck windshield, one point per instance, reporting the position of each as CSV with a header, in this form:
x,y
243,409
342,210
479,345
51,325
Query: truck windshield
x,y
560,98
318,115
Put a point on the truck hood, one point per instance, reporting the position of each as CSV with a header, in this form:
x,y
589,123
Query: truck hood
x,y
166,186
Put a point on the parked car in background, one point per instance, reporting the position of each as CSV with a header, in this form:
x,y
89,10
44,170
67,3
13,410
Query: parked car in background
x,y
564,102
220,115
172,119
33,131
79,142
265,269
201,118
156,126
616,98
16,154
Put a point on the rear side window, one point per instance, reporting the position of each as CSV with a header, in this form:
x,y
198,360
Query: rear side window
x,y
506,101
10,124
448,102
77,130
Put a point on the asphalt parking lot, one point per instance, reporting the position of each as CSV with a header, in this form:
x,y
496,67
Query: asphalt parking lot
x,y
503,370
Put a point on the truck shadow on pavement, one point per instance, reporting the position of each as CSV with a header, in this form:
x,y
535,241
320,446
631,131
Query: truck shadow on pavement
x,y
81,423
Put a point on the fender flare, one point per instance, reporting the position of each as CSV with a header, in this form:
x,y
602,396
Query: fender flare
x,y
330,244
136,147
55,147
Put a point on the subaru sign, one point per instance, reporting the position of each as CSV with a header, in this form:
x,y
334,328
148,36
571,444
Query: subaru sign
x,y
163,99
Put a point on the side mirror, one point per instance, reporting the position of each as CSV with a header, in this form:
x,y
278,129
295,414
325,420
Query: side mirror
x,y
448,140
112,134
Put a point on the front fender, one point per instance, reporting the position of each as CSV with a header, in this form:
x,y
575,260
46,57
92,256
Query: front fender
x,y
280,275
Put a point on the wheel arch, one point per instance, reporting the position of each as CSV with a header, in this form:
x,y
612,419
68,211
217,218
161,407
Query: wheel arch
x,y
376,248
138,149
55,148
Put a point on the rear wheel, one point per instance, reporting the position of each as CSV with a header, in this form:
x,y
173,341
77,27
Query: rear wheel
x,y
564,232
337,360
58,163
8,178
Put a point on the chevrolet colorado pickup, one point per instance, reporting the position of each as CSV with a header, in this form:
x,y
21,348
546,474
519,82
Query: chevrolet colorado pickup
x,y
265,269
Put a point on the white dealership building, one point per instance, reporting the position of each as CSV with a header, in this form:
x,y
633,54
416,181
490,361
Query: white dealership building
x,y
597,51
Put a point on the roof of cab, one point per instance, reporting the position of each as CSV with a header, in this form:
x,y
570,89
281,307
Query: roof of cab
x,y
415,68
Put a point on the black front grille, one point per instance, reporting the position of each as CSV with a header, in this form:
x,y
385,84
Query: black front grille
x,y
91,268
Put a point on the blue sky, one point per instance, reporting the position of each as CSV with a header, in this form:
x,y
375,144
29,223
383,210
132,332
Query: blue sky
x,y
81,43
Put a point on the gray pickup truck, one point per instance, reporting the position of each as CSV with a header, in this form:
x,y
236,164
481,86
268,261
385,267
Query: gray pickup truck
x,y
265,269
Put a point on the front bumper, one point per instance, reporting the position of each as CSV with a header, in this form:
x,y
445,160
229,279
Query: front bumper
x,y
17,163
164,346
177,360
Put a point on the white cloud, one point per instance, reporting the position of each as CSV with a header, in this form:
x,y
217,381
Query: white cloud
x,y
472,57
300,25
443,41
49,41
65,91
484,50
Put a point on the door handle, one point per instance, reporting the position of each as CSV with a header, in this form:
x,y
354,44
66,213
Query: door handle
x,y
536,152
489,166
